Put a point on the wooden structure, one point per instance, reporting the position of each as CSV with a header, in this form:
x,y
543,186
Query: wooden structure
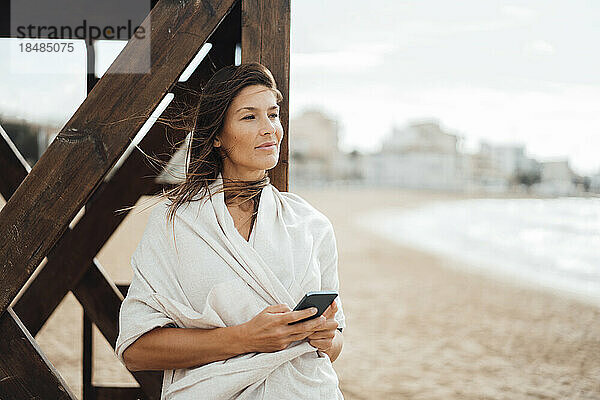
x,y
42,201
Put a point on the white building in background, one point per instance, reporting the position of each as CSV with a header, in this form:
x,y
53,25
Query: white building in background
x,y
497,167
557,179
508,159
314,152
420,137
420,155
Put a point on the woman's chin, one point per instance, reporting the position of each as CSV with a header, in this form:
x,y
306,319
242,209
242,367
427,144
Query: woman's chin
x,y
270,162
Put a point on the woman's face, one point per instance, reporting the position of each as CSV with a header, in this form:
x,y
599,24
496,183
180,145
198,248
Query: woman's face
x,y
251,120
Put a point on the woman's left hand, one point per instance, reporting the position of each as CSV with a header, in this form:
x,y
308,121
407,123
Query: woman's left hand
x,y
322,339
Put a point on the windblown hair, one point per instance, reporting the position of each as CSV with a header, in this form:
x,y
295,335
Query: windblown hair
x,y
203,161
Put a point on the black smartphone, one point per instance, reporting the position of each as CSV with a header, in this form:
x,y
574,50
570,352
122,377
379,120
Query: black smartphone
x,y
321,299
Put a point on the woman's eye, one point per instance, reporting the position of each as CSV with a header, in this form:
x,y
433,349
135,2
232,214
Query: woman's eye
x,y
274,115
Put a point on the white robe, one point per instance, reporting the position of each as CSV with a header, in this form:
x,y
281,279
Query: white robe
x,y
210,277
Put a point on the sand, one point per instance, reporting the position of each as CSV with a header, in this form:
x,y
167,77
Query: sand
x,y
418,326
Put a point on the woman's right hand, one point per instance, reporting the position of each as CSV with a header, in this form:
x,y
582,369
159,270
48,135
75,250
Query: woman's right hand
x,y
269,331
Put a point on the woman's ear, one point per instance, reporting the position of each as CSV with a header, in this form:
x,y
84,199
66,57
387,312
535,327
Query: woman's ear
x,y
216,143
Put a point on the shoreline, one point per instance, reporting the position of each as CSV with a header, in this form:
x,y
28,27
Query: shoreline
x,y
521,276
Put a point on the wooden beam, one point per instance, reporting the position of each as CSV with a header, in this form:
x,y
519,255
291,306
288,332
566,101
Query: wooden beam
x,y
87,356
91,142
25,373
266,39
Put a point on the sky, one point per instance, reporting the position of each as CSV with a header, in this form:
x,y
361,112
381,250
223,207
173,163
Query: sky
x,y
505,72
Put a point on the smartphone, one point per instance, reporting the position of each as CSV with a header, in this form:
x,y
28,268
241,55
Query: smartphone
x,y
321,299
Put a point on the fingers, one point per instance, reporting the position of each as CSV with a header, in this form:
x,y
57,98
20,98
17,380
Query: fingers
x,y
278,308
304,329
321,344
294,316
325,326
327,334
311,325
331,310
329,325
333,306
299,336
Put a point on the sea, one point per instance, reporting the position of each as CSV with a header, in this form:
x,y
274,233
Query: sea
x,y
548,243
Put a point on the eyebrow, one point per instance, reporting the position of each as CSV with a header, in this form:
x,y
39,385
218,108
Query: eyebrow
x,y
254,108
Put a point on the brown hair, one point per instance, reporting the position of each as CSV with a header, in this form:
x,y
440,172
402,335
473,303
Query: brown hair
x,y
203,161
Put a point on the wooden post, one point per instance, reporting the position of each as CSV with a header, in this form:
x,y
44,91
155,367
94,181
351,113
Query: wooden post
x,y
266,39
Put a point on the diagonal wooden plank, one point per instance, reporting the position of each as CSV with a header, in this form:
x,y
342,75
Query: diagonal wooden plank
x,y
98,133
266,39
65,266
25,373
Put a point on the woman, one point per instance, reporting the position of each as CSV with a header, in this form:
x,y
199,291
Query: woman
x,y
211,298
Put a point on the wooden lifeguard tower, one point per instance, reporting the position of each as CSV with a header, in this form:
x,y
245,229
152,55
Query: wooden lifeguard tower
x,y
74,173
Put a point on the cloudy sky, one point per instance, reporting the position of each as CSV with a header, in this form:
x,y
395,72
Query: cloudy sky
x,y
522,72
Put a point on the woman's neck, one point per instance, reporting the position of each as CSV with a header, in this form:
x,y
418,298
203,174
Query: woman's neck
x,y
241,193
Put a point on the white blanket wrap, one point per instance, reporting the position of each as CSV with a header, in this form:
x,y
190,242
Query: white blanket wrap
x,y
211,277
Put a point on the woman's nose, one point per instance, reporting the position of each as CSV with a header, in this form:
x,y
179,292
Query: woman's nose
x,y
267,126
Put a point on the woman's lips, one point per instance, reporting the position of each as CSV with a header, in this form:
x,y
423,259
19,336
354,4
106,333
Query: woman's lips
x,y
272,147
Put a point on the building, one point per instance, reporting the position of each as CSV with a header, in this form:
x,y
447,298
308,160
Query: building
x,y
421,155
500,167
314,153
557,179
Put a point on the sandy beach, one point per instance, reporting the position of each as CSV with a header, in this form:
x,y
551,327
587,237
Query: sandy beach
x,y
419,326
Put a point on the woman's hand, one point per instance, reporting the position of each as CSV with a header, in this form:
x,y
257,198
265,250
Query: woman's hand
x,y
269,331
322,339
